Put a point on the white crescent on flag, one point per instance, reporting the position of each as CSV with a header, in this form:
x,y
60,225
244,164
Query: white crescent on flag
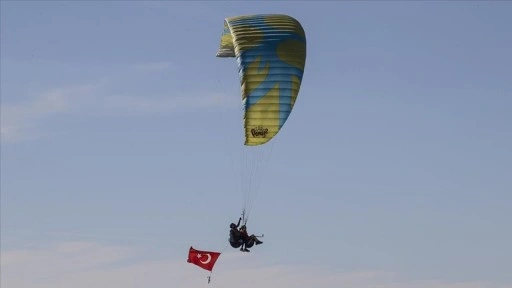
x,y
203,259
207,261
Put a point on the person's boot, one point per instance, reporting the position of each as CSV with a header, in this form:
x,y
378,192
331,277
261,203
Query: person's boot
x,y
258,242
247,250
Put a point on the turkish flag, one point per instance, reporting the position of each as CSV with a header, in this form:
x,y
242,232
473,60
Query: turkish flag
x,y
203,259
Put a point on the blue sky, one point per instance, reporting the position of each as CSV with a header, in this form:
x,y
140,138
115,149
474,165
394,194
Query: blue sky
x,y
120,134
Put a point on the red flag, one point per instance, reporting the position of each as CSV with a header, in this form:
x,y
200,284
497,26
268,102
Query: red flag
x,y
203,259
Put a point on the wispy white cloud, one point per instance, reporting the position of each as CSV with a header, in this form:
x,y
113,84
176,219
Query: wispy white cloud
x,y
86,264
23,121
168,103
19,121
154,66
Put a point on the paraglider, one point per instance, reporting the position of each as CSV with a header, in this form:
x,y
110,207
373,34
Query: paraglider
x,y
240,238
270,50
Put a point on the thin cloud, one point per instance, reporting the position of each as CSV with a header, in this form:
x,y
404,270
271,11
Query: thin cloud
x,y
26,121
166,104
90,264
18,121
154,66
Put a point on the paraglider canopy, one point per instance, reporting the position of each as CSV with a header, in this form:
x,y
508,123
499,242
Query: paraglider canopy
x,y
271,54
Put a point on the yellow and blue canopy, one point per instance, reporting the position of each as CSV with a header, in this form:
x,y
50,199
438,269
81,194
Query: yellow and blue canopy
x,y
271,54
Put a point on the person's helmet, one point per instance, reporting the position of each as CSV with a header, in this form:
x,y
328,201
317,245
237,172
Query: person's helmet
x,y
232,225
